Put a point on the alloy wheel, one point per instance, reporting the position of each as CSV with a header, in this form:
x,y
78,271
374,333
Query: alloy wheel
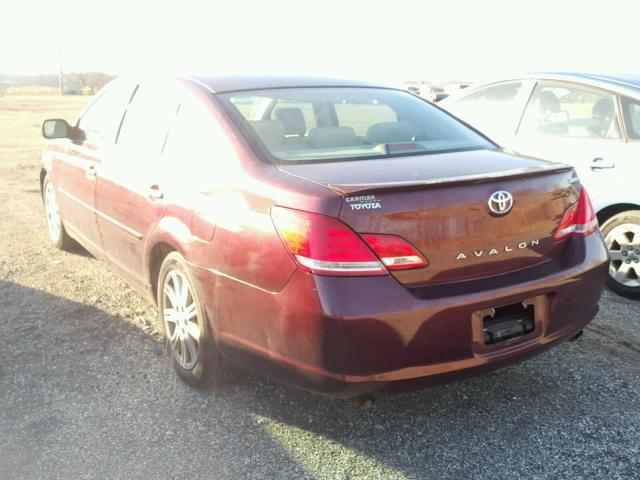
x,y
54,223
623,242
180,316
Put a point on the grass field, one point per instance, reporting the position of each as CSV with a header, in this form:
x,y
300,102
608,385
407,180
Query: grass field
x,y
21,119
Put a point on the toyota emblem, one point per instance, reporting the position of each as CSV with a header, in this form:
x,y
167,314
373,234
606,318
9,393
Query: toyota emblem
x,y
500,202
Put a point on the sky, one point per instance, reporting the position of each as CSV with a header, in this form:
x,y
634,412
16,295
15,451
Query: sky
x,y
391,40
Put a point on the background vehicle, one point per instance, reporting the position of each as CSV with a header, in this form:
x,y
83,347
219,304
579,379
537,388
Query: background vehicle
x,y
589,121
332,234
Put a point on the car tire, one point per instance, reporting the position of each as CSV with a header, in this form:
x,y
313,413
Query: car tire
x,y
622,236
189,342
57,233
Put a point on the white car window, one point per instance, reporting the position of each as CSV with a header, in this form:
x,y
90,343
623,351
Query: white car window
x,y
493,109
556,109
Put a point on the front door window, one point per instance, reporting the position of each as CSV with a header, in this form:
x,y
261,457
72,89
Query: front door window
x,y
561,110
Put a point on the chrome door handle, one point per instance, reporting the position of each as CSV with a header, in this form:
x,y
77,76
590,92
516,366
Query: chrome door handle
x,y
599,163
154,193
90,173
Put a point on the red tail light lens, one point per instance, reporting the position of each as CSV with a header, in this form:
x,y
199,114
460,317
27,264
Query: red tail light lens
x,y
324,245
579,219
395,252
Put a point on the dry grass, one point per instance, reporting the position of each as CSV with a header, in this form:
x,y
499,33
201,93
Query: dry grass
x,y
27,257
31,90
20,141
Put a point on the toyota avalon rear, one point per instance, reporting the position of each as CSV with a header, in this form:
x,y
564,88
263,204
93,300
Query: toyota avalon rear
x,y
344,237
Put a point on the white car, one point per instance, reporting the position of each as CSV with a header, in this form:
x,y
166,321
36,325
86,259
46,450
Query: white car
x,y
589,121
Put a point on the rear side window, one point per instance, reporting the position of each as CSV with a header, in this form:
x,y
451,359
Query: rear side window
x,y
197,152
631,112
193,136
147,120
101,121
347,123
561,110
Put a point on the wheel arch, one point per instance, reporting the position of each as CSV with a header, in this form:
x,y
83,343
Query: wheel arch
x,y
169,235
605,213
43,174
157,255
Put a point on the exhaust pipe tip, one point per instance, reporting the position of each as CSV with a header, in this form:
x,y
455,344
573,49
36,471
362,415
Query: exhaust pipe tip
x,y
576,336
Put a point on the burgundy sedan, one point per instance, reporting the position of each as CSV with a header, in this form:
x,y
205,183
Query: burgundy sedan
x,y
339,236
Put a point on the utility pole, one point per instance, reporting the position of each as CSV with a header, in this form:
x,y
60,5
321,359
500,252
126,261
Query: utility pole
x,y
60,74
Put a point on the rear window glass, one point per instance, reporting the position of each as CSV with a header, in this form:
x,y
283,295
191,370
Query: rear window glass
x,y
323,124
361,117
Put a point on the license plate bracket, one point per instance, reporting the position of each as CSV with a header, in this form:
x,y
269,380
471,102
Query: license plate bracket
x,y
507,322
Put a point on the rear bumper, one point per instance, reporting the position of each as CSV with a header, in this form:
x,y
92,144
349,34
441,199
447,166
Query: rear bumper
x,y
349,335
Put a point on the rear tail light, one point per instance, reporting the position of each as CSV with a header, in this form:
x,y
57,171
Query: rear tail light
x,y
579,219
395,252
324,245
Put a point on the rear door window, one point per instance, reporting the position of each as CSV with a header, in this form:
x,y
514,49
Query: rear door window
x,y
564,110
631,112
147,120
197,152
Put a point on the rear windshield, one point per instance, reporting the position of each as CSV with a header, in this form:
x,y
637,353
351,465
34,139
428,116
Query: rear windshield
x,y
299,125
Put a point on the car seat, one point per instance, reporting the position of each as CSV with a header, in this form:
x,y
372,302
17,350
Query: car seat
x,y
602,115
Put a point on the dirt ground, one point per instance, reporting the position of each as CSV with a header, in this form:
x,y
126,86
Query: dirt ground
x,y
86,391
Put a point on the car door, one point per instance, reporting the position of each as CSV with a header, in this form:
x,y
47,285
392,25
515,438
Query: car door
x,y
129,191
629,166
578,125
493,109
76,167
193,148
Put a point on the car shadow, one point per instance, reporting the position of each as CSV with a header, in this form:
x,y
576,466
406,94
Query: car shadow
x,y
77,249
86,393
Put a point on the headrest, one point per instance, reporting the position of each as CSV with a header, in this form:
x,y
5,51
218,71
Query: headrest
x,y
328,137
603,109
548,102
271,132
390,132
293,120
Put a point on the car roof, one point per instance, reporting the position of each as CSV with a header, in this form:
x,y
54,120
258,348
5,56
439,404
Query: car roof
x,y
234,83
616,82
627,84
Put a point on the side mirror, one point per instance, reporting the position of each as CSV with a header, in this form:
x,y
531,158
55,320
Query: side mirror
x,y
59,128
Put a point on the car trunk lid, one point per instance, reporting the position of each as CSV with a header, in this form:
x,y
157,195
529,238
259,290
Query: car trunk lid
x,y
440,204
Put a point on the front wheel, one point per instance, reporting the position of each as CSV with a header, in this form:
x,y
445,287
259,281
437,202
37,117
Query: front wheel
x,y
57,232
622,237
186,326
